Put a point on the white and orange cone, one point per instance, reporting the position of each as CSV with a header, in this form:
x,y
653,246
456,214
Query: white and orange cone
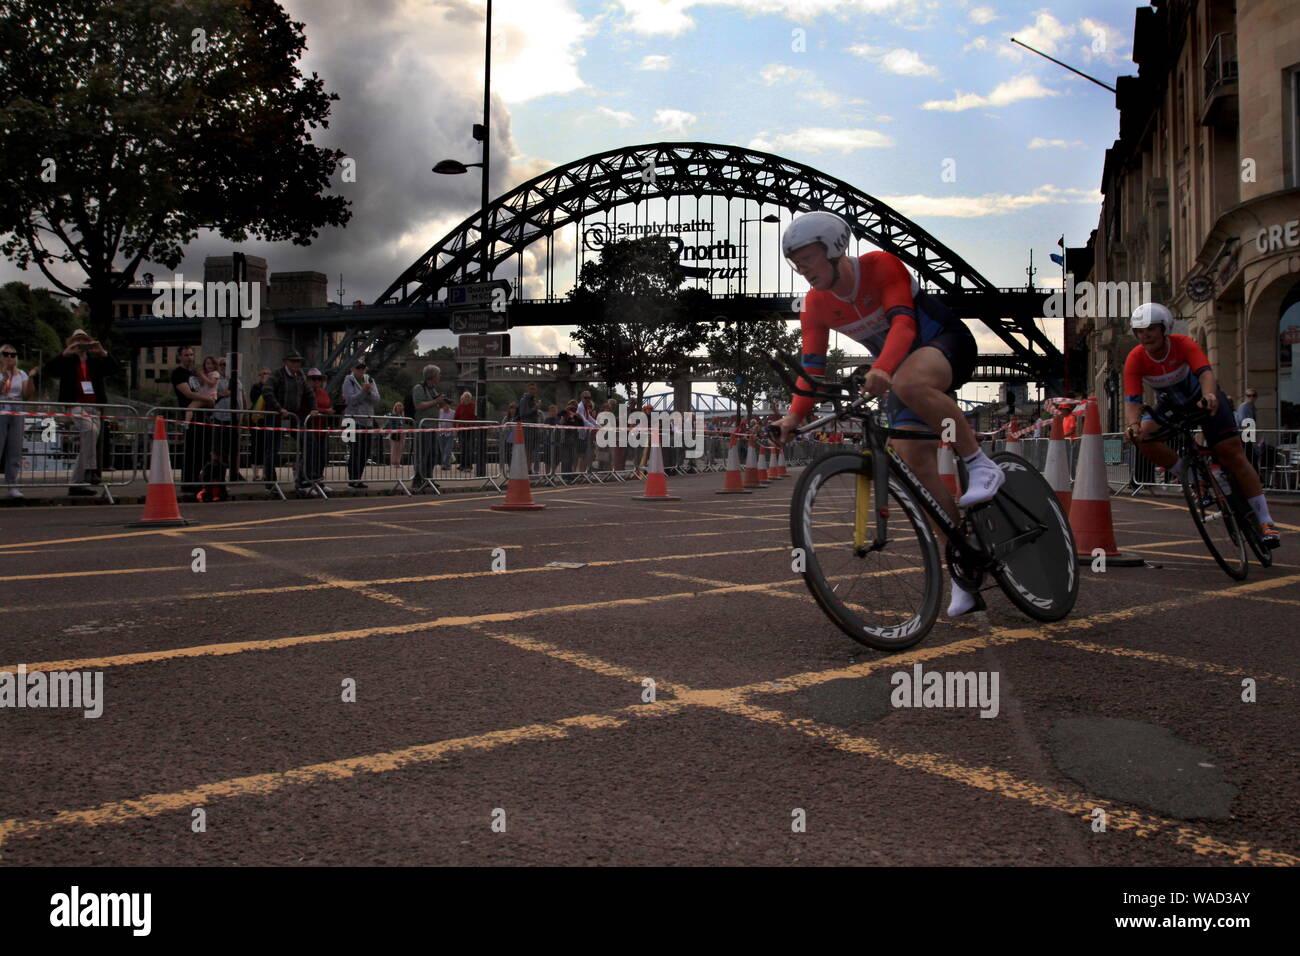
x,y
519,493
1056,469
160,507
1090,517
782,472
763,470
948,469
733,483
656,482
751,466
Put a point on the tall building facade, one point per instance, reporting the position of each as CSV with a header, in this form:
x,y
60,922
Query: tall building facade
x,y
1202,196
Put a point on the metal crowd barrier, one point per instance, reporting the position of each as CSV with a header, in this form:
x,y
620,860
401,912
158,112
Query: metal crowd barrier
x,y
229,446
445,450
70,445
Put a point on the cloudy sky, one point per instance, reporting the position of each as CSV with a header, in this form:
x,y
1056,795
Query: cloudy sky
x,y
921,103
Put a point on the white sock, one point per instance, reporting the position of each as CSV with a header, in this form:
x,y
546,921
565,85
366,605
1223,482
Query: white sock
x,y
1260,507
961,600
978,460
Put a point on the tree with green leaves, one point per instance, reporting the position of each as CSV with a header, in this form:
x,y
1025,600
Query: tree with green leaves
x,y
34,321
635,320
126,126
741,350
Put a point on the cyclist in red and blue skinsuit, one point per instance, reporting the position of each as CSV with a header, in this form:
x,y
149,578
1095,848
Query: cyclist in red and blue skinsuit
x,y
1180,374
923,352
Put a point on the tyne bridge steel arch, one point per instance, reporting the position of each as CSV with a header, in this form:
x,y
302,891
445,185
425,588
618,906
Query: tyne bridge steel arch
x,y
569,194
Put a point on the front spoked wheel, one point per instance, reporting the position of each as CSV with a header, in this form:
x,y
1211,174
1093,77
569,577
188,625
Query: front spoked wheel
x,y
1028,534
1214,519
887,597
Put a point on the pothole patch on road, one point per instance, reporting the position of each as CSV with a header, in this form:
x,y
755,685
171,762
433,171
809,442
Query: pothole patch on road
x,y
1142,764
847,702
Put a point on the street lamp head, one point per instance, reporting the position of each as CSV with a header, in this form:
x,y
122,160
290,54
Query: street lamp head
x,y
450,167
771,218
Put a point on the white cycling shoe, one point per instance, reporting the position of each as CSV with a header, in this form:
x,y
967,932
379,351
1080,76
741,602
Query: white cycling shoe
x,y
963,601
982,483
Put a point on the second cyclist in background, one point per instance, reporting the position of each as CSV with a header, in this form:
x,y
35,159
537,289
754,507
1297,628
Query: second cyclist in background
x,y
1176,367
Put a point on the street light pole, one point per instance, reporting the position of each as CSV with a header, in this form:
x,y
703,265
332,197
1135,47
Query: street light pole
x,y
487,134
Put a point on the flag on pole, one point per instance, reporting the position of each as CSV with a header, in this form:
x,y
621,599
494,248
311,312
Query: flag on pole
x,y
1061,242
1059,260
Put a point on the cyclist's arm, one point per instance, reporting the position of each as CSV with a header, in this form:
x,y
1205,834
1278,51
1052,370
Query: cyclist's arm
x,y
1133,386
816,337
894,289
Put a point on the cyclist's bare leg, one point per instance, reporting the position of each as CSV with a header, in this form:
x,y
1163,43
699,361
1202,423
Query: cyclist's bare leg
x,y
1158,452
1232,457
922,456
921,383
927,379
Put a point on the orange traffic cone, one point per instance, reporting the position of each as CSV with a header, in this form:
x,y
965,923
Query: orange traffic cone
x,y
1090,516
751,466
1057,467
160,508
948,469
656,482
519,493
1012,444
733,484
763,470
781,471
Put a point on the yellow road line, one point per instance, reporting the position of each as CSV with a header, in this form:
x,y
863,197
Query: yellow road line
x,y
727,700
263,784
1007,785
239,647
1007,635
91,574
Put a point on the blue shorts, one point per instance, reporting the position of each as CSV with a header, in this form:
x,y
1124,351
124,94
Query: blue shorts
x,y
1222,424
958,346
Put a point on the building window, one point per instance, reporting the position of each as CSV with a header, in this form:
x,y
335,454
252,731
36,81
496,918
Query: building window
x,y
163,359
148,356
1292,135
1288,370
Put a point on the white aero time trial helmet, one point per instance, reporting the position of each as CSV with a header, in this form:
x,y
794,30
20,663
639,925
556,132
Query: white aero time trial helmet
x,y
824,227
1152,313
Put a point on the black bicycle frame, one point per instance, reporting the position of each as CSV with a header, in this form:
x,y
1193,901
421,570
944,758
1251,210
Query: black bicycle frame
x,y
886,461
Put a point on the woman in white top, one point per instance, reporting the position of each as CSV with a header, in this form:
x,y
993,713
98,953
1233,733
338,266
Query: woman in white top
x,y
15,386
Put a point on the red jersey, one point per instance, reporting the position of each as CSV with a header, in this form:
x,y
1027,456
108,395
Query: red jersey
x,y
1175,377
886,311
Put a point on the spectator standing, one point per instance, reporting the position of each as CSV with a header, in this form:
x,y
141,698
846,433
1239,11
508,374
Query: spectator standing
x,y
552,440
446,439
396,434
316,427
1246,412
530,414
587,416
257,441
466,412
569,421
81,369
227,430
424,398
196,441
359,396
15,386
288,396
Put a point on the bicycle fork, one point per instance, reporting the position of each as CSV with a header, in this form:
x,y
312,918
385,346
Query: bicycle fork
x,y
871,494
